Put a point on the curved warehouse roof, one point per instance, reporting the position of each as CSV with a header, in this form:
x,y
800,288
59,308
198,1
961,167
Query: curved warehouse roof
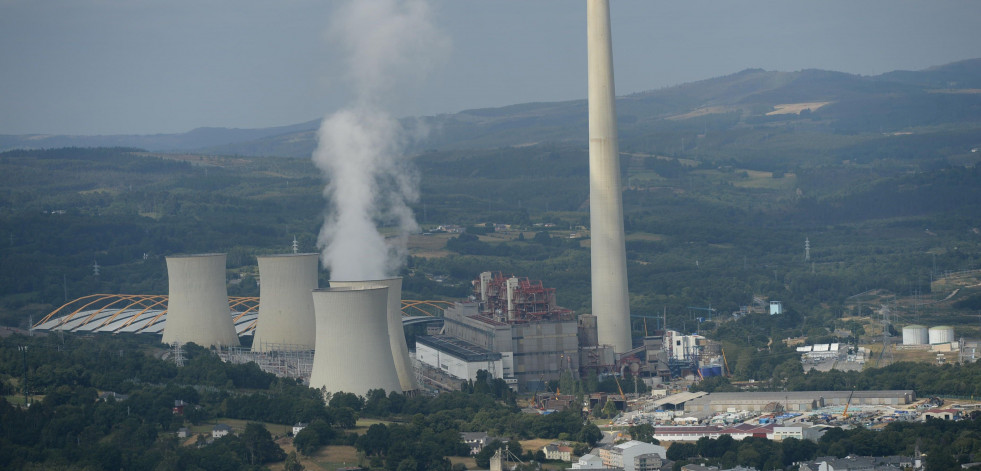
x,y
147,313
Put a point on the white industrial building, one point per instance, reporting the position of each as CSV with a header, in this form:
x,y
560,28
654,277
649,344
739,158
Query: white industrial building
x,y
798,431
623,454
198,302
681,346
396,334
797,401
353,353
821,351
457,358
589,461
776,307
286,319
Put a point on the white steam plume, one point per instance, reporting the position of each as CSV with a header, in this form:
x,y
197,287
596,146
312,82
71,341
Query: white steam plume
x,y
389,44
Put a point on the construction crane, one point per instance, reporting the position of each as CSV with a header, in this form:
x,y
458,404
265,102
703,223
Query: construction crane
x,y
848,402
726,362
622,395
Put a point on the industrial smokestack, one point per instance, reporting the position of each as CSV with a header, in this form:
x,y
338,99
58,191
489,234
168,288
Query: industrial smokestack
x,y
286,319
607,251
396,334
353,352
197,307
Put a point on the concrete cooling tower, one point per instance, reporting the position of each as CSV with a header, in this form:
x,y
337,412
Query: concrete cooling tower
x,y
396,334
286,320
197,307
353,353
608,256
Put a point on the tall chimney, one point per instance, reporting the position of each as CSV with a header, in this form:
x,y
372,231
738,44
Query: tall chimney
x,y
607,251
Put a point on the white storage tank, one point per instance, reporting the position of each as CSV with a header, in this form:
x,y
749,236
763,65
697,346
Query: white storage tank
x,y
941,334
915,335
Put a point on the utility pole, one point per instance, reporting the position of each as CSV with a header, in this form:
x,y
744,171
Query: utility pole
x,y
23,348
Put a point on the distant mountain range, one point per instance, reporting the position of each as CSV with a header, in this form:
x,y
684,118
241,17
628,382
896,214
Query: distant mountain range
x,y
817,101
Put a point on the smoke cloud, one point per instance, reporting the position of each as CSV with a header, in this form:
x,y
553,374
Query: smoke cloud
x,y
389,45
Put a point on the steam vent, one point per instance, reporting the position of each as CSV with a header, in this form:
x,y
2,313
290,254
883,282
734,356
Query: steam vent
x,y
396,335
197,310
286,319
353,352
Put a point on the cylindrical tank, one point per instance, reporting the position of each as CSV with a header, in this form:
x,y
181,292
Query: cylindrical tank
x,y
353,353
197,307
485,279
396,333
286,320
941,334
512,286
915,335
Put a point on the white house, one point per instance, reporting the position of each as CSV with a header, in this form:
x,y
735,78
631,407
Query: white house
x,y
555,451
220,430
588,461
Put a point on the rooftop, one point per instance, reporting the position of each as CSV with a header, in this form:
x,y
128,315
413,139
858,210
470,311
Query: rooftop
x,y
458,348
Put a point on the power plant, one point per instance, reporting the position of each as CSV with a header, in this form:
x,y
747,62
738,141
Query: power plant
x,y
396,335
608,256
198,302
353,350
286,318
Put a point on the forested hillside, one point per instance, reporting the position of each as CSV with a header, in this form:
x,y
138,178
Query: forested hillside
x,y
725,179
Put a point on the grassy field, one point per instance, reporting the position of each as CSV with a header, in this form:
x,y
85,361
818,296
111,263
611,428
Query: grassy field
x,y
765,180
429,246
327,459
238,426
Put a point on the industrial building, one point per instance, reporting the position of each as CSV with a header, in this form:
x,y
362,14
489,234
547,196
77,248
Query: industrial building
x,y
286,319
622,455
353,353
520,320
198,302
457,357
134,313
709,404
396,335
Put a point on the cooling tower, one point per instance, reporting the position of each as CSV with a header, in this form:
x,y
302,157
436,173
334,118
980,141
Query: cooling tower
x,y
915,335
607,251
353,353
400,352
197,308
286,320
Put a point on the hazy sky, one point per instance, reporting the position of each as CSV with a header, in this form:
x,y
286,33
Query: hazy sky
x,y
155,66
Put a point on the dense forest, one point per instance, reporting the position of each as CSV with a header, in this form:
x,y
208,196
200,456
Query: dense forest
x,y
69,422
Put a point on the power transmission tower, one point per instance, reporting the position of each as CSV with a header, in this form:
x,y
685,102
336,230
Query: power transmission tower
x,y
885,358
178,354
